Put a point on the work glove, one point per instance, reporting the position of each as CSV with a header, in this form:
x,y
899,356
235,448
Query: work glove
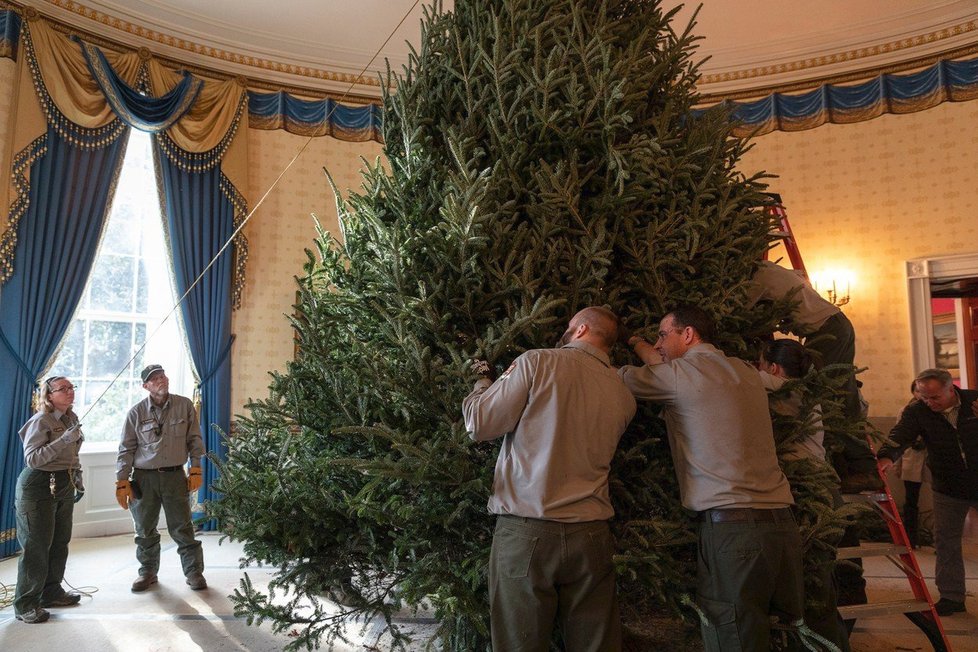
x,y
482,368
123,493
76,479
72,434
195,479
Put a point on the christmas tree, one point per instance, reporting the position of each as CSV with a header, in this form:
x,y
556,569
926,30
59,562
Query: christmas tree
x,y
542,156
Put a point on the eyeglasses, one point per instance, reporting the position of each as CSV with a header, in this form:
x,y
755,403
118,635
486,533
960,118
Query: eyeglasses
x,y
66,388
663,334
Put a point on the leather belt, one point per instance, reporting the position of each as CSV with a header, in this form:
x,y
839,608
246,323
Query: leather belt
x,y
747,515
164,469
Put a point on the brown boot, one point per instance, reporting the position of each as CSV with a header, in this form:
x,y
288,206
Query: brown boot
x,y
143,582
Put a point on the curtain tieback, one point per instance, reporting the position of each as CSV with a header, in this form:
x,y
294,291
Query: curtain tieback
x,y
217,365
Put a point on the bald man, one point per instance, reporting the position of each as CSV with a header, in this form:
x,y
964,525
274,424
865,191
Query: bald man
x,y
561,413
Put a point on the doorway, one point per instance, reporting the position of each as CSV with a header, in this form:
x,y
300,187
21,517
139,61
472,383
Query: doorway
x,y
943,294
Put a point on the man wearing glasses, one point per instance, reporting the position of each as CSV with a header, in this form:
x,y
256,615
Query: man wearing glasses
x,y
159,434
716,414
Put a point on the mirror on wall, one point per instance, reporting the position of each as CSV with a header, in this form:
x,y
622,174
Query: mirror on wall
x,y
944,315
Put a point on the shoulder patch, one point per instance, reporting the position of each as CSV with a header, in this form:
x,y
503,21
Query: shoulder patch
x,y
508,371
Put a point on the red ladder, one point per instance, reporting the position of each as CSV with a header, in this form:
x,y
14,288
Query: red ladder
x,y
919,610
784,233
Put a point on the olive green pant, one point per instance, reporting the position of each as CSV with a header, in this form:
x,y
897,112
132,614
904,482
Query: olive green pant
x,y
167,489
43,531
545,572
747,572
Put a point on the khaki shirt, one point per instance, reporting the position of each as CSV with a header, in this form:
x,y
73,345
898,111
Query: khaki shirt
x,y
775,282
561,413
156,437
44,449
719,427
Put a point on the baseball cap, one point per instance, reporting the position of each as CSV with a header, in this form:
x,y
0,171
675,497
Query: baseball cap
x,y
149,371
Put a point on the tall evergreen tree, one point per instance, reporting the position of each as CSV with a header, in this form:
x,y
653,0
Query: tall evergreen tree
x,y
541,156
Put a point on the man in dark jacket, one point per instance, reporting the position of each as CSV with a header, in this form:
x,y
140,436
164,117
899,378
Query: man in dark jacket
x,y
944,418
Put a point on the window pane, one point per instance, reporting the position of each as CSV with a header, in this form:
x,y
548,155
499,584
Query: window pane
x,y
109,347
112,283
140,360
122,231
142,289
72,352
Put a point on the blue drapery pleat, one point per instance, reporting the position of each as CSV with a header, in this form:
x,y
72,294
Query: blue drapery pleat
x,y
146,113
945,81
56,245
314,117
200,220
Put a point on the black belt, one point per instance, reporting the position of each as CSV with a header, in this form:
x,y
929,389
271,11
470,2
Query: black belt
x,y
164,469
747,515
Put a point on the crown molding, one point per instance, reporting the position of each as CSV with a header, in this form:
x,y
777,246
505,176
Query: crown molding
x,y
865,49
198,48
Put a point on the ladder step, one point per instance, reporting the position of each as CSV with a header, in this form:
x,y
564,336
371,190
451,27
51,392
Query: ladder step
x,y
866,497
871,550
876,609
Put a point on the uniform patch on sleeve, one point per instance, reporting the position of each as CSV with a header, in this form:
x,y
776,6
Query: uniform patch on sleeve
x,y
508,371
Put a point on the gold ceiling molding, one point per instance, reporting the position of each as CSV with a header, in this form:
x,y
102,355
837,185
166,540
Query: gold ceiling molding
x,y
177,64
846,56
207,51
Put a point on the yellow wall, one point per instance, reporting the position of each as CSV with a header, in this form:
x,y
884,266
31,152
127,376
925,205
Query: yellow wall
x,y
868,197
277,234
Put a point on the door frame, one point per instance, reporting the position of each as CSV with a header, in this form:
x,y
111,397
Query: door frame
x,y
920,273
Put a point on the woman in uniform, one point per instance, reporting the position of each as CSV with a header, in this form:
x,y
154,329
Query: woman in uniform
x,y
44,501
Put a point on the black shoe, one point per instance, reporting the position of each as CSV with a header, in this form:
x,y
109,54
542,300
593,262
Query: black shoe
x,y
34,616
143,582
66,599
945,607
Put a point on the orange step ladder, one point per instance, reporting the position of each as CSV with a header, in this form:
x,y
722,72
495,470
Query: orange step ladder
x,y
919,609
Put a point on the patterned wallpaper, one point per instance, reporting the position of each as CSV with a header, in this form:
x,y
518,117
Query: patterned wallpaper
x,y
278,233
867,197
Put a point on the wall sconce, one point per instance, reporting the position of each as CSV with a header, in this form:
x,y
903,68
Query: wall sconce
x,y
833,285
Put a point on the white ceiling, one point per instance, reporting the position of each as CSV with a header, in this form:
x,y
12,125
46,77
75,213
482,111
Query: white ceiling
x,y
323,44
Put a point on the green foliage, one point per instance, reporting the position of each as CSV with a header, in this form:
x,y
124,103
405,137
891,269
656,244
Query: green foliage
x,y
541,157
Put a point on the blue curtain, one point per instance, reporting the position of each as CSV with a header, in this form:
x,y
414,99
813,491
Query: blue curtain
x,y
199,220
56,241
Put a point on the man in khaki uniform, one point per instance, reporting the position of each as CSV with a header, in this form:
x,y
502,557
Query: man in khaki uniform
x,y
561,413
720,433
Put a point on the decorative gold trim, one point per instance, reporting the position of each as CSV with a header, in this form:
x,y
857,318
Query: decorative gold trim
x,y
842,78
8,535
18,178
240,251
215,53
845,56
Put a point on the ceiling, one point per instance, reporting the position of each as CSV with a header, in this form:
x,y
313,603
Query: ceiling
x,y
322,45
